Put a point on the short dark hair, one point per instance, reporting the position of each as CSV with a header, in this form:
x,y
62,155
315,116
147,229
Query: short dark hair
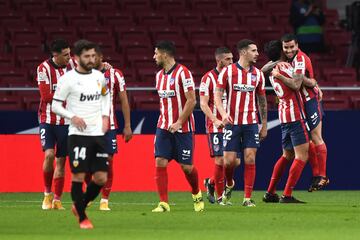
x,y
58,45
273,50
244,43
98,50
221,50
82,45
289,37
166,46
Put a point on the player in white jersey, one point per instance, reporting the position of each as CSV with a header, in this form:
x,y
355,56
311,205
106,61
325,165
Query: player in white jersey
x,y
117,89
88,107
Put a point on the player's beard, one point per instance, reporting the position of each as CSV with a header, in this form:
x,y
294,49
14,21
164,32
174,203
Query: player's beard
x,y
87,67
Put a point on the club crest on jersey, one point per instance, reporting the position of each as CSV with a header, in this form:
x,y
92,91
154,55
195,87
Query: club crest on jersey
x,y
75,163
172,81
243,87
166,93
253,77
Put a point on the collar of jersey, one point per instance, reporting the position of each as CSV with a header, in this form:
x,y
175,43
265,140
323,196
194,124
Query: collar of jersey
x,y
55,65
171,69
251,69
83,73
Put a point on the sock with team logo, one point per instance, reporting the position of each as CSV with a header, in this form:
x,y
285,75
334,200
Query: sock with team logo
x,y
219,179
77,197
107,187
48,178
193,180
294,174
92,191
58,187
278,171
161,178
249,179
313,159
321,151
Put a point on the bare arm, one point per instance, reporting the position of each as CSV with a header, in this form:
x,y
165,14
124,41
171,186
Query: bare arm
x,y
263,115
188,109
309,82
127,132
266,69
226,119
293,83
204,105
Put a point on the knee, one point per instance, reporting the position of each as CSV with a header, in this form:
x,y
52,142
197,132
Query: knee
x,y
249,158
161,162
49,157
100,180
187,169
316,136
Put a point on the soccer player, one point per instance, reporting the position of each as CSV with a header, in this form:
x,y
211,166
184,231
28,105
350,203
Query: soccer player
x,y
213,123
313,110
53,129
117,89
295,139
176,125
242,82
88,107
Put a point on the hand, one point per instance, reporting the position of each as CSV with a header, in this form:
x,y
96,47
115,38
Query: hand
x,y
79,123
275,72
105,123
263,132
175,127
127,134
107,65
226,120
218,123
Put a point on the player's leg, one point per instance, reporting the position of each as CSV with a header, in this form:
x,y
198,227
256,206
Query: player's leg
x,y
47,139
163,153
184,149
111,144
321,153
61,133
300,141
216,181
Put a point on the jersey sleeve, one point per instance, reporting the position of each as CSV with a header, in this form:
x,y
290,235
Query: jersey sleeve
x,y
43,80
119,81
309,68
222,79
62,90
260,89
187,80
205,85
299,65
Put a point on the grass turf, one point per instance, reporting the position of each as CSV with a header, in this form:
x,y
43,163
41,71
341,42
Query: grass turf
x,y
327,215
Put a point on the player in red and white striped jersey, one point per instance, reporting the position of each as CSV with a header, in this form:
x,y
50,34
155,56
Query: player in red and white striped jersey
x,y
295,140
175,128
53,128
117,89
311,94
213,123
243,82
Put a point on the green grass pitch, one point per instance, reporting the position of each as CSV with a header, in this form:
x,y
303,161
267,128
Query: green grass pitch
x,y
327,215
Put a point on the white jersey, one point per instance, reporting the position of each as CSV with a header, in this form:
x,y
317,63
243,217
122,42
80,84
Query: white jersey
x,y
85,94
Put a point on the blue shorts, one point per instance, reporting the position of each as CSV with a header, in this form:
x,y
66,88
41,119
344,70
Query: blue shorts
x,y
215,142
178,146
54,137
293,134
238,137
314,112
111,142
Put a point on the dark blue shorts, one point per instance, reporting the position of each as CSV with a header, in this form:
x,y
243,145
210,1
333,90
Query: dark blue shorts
x,y
111,142
314,113
178,146
54,137
238,137
215,142
294,134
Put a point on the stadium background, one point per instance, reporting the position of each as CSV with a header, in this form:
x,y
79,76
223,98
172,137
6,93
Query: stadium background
x,y
126,30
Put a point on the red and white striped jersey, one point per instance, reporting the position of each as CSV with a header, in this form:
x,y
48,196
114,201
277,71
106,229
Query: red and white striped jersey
x,y
291,106
47,77
241,87
207,88
302,65
171,87
116,84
